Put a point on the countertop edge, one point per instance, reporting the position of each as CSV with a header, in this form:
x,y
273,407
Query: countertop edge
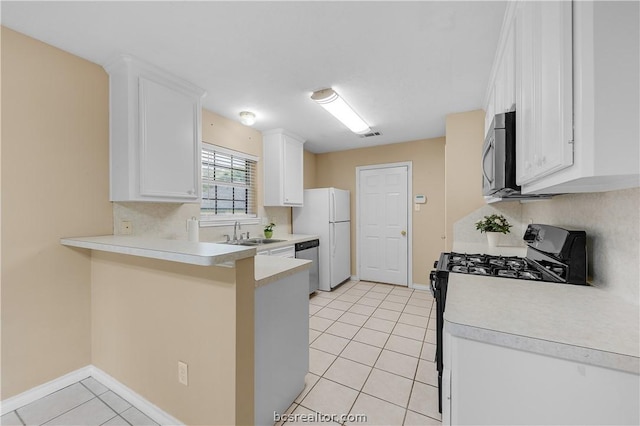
x,y
300,265
599,358
222,259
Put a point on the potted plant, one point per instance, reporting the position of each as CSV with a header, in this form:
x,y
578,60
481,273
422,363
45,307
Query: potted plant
x,y
268,230
493,225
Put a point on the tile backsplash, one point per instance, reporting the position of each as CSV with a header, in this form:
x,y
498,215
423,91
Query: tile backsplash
x,y
610,219
169,220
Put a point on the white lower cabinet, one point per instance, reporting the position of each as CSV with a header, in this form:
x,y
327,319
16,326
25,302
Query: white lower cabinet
x,y
281,345
486,384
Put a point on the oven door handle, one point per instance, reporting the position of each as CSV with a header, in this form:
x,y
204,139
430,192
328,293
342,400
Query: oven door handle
x,y
432,283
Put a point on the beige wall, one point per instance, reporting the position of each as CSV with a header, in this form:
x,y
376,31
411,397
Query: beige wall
x,y
55,183
465,135
612,223
610,219
149,314
309,170
338,169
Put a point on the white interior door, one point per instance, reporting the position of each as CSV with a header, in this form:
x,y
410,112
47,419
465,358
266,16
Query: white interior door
x,y
382,221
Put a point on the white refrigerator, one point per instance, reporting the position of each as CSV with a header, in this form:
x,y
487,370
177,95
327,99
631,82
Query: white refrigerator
x,y
326,213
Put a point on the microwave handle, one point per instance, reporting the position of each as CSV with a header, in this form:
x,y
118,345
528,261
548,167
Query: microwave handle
x,y
484,155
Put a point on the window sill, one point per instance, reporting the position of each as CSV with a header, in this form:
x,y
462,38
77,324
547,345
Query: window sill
x,y
208,222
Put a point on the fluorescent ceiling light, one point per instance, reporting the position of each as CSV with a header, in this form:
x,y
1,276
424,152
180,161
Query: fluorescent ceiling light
x,y
332,102
247,118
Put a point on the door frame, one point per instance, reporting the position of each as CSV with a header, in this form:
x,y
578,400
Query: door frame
x,y
409,166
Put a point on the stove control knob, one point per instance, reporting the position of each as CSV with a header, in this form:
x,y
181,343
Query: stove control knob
x,y
435,264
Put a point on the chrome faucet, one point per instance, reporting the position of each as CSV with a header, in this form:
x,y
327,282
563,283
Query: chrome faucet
x,y
236,226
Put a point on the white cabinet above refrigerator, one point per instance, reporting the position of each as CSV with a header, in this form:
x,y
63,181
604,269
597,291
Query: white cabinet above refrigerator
x,y
283,155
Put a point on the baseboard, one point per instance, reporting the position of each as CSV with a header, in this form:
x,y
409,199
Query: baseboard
x,y
44,389
151,410
426,287
33,394
354,278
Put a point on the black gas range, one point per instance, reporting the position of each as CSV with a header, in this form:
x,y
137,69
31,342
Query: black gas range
x,y
553,255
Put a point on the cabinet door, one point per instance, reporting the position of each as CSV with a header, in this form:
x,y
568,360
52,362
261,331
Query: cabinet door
x,y
526,136
169,146
544,81
555,89
490,111
293,172
508,66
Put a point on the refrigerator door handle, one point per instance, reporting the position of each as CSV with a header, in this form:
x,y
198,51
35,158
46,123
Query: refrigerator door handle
x,y
333,240
333,206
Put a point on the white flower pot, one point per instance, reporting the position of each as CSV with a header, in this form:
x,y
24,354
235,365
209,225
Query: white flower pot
x,y
493,238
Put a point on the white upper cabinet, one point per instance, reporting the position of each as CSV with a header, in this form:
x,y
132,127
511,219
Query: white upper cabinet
x,y
501,92
283,154
155,134
572,70
544,123
596,97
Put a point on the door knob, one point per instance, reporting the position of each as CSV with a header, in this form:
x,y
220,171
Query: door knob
x,y
403,233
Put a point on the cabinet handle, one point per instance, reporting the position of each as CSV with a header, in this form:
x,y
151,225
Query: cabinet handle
x,y
191,192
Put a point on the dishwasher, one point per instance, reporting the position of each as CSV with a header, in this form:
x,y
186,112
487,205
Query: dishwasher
x,y
309,250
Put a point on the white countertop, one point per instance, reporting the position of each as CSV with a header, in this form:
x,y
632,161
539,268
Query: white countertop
x,y
272,268
267,268
579,323
205,254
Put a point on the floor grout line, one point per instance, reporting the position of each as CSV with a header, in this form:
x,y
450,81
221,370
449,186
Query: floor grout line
x,y
383,348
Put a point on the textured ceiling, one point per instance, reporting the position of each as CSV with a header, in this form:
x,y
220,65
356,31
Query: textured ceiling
x,y
402,65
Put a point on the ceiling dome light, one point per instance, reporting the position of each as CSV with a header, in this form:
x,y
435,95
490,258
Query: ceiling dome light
x,y
332,102
247,118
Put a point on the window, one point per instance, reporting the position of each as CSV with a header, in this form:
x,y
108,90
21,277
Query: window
x,y
228,184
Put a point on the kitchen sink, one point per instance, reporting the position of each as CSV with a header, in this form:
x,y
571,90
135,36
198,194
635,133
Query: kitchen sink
x,y
254,242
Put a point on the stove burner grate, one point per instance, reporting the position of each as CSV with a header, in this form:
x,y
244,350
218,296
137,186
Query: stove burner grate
x,y
500,266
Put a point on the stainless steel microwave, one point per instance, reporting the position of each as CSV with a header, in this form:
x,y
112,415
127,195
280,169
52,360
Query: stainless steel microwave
x,y
499,158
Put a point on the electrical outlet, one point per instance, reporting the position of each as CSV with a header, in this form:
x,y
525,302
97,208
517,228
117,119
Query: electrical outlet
x,y
183,373
126,227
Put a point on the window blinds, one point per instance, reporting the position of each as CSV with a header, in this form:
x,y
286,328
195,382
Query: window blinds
x,y
228,183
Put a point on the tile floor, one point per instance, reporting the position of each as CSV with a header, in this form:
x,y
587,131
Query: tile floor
x,y
84,403
371,352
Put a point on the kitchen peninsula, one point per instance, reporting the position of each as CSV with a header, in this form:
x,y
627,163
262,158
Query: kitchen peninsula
x,y
155,302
